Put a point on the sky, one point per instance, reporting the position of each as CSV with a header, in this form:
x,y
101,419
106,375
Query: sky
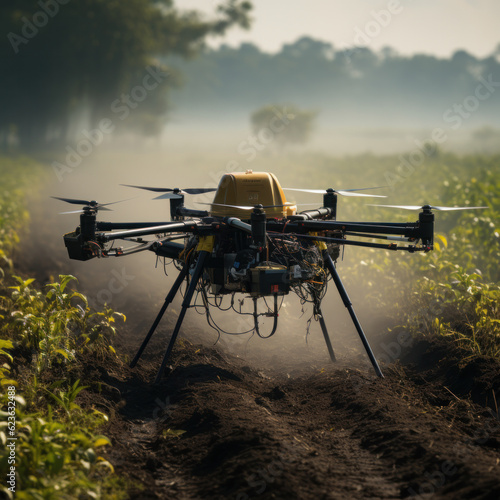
x,y
438,27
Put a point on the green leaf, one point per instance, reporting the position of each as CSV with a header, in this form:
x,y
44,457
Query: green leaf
x,y
101,441
65,279
173,433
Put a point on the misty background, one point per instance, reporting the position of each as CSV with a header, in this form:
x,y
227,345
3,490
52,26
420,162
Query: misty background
x,y
160,71
162,93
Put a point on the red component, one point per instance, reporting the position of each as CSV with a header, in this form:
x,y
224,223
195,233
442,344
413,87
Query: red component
x,y
275,288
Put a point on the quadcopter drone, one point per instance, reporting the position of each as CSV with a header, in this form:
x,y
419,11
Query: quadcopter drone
x,y
252,242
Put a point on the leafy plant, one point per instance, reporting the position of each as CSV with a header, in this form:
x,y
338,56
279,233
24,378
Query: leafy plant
x,y
58,444
66,399
54,461
58,324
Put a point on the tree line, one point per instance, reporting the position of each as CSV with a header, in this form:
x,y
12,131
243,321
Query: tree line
x,y
353,87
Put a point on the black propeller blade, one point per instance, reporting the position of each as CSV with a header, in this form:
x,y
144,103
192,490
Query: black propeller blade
x,y
427,207
342,192
93,205
249,207
173,192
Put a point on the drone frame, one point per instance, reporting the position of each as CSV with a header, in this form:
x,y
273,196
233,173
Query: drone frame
x,y
317,225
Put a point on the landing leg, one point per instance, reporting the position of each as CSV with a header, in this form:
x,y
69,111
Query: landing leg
x,y
347,302
198,271
168,300
325,334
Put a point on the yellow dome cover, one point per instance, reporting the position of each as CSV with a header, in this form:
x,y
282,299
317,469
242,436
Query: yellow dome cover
x,y
249,189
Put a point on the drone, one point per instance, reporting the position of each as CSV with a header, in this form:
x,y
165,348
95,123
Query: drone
x,y
251,241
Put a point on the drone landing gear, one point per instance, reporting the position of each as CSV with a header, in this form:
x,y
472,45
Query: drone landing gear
x,y
168,300
325,334
198,271
348,304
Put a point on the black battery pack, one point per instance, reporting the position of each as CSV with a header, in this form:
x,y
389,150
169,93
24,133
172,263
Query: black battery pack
x,y
269,280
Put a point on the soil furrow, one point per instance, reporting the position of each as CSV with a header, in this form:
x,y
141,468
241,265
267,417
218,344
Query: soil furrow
x,y
216,428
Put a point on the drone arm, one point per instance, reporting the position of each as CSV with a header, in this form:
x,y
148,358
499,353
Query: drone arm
x,y
113,226
237,223
188,212
378,236
341,241
407,230
422,230
320,213
166,228
118,252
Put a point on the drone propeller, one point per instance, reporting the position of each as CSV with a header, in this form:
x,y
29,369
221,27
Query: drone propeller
x,y
342,192
428,207
83,210
249,207
173,193
93,205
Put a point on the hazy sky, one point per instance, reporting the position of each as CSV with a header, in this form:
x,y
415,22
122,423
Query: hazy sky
x,y
430,26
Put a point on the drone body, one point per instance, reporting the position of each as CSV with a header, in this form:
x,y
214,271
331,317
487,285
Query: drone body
x,y
251,242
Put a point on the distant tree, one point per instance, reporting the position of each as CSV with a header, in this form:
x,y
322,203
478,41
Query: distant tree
x,y
287,123
486,139
56,56
309,48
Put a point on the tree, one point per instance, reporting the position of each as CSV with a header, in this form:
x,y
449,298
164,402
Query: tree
x,y
287,124
57,56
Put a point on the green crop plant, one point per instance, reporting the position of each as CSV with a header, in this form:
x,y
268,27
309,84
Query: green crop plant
x,y
56,325
54,460
17,176
58,445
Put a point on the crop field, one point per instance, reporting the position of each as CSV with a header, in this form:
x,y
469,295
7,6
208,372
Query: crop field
x,y
242,418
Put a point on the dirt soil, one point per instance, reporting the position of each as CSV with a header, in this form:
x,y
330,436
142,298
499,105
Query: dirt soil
x,y
218,428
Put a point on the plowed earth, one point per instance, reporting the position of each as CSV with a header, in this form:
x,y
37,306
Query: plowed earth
x,y
217,428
